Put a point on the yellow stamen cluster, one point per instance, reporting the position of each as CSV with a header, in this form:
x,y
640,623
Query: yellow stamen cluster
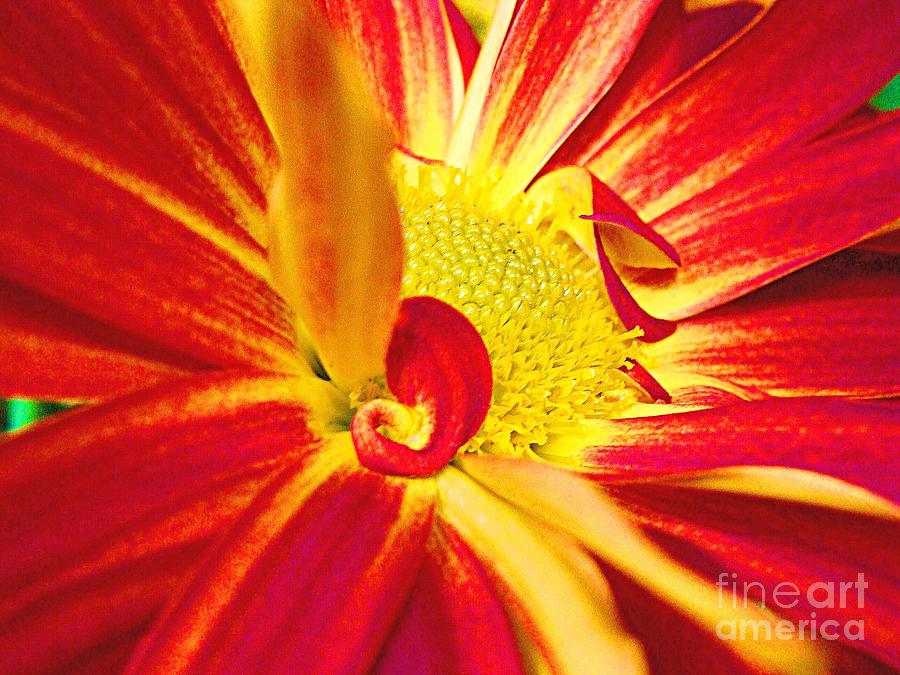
x,y
554,341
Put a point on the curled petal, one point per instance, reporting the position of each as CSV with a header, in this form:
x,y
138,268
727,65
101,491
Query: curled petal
x,y
629,311
437,365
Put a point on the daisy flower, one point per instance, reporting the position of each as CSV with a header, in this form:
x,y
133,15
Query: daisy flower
x,y
398,352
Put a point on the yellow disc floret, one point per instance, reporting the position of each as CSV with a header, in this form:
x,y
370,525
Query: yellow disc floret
x,y
554,341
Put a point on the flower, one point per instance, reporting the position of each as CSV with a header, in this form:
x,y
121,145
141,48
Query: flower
x,y
201,240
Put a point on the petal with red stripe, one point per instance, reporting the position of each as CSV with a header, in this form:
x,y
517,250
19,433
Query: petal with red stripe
x,y
849,441
675,42
409,52
107,508
451,610
311,577
838,569
561,608
774,218
85,225
557,60
567,502
785,81
827,330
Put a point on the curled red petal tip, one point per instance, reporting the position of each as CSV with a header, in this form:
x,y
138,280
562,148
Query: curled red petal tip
x,y
646,381
438,365
631,313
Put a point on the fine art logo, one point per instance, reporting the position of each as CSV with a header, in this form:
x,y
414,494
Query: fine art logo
x,y
809,625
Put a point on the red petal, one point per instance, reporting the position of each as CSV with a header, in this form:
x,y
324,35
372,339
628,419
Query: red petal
x,y
450,612
106,508
770,542
557,60
309,580
785,81
629,311
851,441
655,391
49,352
157,87
437,362
772,219
825,330
84,230
408,50
466,43
674,42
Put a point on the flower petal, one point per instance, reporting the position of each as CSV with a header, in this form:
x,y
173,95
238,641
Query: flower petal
x,y
451,610
785,81
570,503
567,622
106,508
767,544
556,62
774,218
409,52
311,577
49,352
337,248
849,441
825,330
675,42
438,364
466,43
157,88
86,232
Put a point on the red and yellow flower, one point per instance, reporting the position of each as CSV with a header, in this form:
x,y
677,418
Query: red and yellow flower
x,y
328,434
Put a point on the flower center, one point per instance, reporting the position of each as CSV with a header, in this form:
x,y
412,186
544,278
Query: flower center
x,y
554,341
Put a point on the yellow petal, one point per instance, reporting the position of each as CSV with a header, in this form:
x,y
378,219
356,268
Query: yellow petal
x,y
337,249
563,610
575,506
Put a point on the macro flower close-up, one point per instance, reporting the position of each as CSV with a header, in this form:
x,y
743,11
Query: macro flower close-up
x,y
405,336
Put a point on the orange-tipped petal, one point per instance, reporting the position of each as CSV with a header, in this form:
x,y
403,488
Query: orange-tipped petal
x,y
774,218
563,500
556,62
337,249
310,579
784,82
438,366
107,508
48,351
562,611
828,330
451,610
409,53
675,41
